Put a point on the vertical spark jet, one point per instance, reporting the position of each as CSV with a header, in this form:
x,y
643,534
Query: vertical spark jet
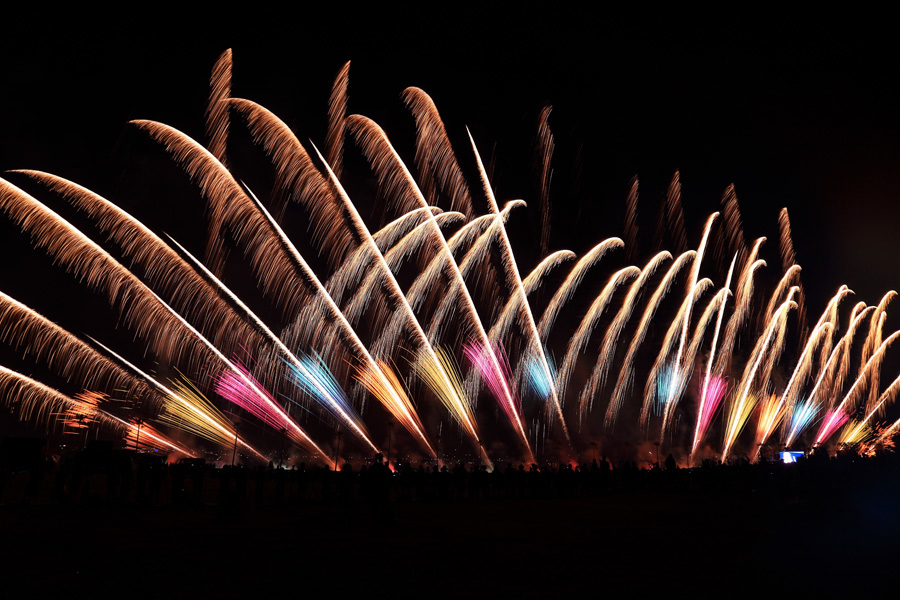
x,y
703,410
509,261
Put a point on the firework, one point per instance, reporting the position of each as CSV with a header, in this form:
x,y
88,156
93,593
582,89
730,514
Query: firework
x,y
434,285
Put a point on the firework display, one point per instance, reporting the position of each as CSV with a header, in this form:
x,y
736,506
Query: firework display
x,y
422,305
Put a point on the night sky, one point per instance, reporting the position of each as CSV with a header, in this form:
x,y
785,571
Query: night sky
x,y
794,110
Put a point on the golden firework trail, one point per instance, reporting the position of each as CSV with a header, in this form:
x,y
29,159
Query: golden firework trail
x,y
853,433
187,291
475,255
530,284
826,381
631,221
692,285
784,284
337,115
771,412
217,118
830,314
744,289
295,173
390,391
835,378
887,397
544,154
873,340
443,379
439,171
788,259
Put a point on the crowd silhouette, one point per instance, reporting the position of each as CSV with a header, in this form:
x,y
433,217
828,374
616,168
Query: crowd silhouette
x,y
98,475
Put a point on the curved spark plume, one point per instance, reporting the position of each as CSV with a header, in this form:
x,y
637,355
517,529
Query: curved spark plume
x,y
693,349
439,171
571,283
789,259
733,228
631,221
825,382
626,373
66,355
741,306
873,340
614,331
295,173
165,270
582,335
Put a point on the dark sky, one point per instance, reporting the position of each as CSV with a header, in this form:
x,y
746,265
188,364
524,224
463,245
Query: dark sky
x,y
794,110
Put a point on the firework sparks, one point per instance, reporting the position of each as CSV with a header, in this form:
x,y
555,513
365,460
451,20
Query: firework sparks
x,y
344,333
